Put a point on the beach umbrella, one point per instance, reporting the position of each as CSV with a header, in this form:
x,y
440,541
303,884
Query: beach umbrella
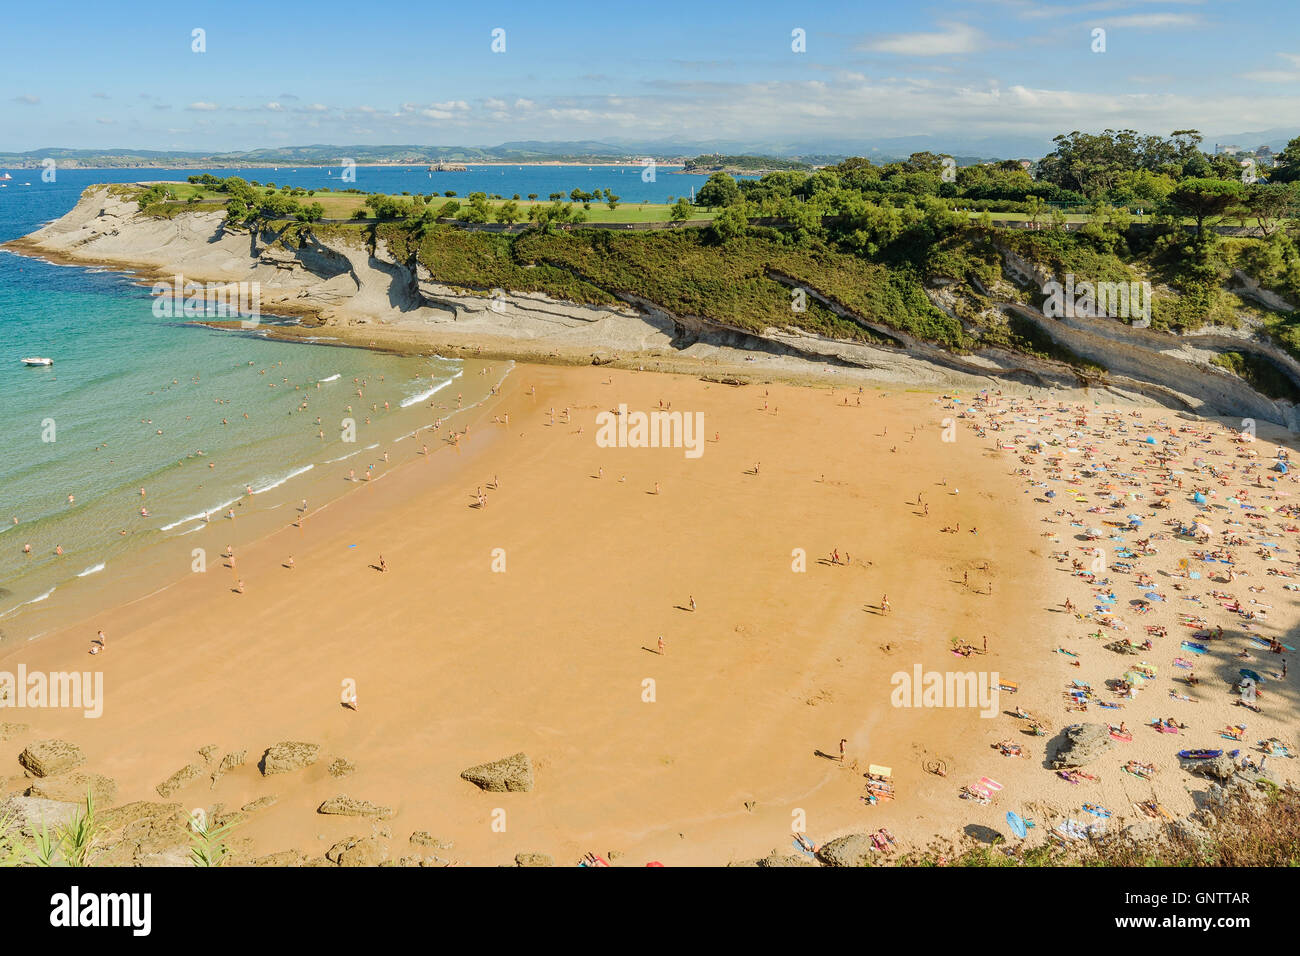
x,y
1017,824
1093,532
1199,498
1247,672
1135,677
1150,440
1280,466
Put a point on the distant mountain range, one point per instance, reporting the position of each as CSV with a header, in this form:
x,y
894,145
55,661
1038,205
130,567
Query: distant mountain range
x,y
965,150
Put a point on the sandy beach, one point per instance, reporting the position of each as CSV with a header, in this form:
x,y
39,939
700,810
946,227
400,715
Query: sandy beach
x,y
455,663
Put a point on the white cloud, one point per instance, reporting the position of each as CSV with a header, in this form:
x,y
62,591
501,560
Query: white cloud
x,y
1152,21
274,107
203,107
952,40
28,99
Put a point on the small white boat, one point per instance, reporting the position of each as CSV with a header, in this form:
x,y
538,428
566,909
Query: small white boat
x,y
38,361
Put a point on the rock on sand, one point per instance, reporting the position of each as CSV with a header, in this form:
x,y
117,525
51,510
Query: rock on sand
x,y
44,758
287,756
514,773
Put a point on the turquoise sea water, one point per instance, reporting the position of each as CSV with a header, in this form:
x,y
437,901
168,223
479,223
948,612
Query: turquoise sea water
x,y
135,401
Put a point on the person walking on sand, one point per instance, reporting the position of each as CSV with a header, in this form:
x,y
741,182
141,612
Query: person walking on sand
x,y
351,701
239,586
661,645
290,563
383,565
693,608
843,741
884,604
99,639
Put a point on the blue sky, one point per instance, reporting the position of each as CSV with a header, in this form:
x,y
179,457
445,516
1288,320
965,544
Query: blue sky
x,y
104,75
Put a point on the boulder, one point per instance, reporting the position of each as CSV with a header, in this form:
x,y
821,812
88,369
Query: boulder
x,y
44,758
179,779
1083,744
74,787
534,859
514,773
1221,767
288,756
345,806
852,850
358,851
260,803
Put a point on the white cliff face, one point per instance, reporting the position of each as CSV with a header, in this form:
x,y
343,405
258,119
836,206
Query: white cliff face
x,y
347,285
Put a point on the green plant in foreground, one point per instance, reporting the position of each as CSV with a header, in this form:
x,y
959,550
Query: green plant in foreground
x,y
207,845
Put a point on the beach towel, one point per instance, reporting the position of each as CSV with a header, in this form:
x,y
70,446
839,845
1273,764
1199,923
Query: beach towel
x,y
1194,647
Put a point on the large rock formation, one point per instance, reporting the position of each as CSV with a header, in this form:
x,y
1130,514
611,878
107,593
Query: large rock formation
x,y
1083,744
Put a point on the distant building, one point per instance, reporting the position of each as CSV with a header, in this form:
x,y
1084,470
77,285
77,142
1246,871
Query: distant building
x,y
1222,149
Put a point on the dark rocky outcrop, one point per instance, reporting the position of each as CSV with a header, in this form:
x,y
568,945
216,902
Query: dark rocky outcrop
x,y
1083,744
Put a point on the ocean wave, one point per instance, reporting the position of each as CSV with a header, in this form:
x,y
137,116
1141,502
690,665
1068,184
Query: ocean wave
x,y
90,571
422,396
333,378
276,483
344,458
202,514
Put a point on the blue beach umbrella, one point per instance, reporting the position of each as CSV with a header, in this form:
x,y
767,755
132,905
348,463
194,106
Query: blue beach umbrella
x,y
1247,672
1017,825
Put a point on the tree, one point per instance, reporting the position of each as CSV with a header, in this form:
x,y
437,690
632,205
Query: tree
x,y
611,200
532,197
508,212
680,211
729,224
719,190
1203,199
1270,203
1286,167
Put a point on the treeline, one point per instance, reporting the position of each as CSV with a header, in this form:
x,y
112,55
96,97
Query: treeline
x,y
1124,170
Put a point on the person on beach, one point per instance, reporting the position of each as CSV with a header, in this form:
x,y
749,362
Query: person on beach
x,y
661,645
290,562
239,587
383,565
27,549
884,604
693,608
843,742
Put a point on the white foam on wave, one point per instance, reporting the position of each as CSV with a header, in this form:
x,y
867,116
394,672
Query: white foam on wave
x,y
90,571
344,458
202,514
276,483
429,393
333,378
